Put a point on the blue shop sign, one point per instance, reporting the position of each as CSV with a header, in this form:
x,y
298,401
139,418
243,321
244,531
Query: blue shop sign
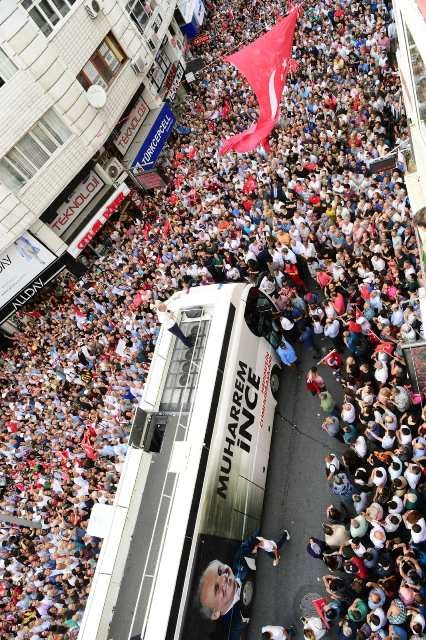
x,y
156,139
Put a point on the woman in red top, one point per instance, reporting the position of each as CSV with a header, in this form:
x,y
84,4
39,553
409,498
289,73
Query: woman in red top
x,y
293,273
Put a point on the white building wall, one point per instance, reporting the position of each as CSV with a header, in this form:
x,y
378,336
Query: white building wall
x,y
408,15
48,67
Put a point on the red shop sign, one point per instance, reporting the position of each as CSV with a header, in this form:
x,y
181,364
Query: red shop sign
x,y
97,226
202,39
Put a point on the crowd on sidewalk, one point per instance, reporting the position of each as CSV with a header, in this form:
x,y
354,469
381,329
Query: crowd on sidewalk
x,y
308,211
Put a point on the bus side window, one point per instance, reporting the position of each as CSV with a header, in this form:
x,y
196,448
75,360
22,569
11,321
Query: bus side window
x,y
258,316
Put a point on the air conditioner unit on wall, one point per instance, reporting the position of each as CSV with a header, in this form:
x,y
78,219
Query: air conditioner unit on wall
x,y
113,168
139,65
93,7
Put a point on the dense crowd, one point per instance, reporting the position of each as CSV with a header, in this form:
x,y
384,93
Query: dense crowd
x,y
307,215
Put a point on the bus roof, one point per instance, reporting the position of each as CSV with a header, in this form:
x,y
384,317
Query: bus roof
x,y
176,447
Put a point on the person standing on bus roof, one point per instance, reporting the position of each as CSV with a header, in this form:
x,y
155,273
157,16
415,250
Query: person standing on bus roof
x,y
168,319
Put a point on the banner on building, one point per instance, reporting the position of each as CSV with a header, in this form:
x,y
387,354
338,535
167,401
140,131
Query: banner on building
x,y
172,81
155,139
22,261
131,125
76,202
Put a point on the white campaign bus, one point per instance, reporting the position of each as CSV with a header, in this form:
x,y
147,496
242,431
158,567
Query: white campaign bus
x,y
204,427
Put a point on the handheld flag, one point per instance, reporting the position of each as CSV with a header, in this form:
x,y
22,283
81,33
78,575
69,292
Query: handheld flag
x,y
265,63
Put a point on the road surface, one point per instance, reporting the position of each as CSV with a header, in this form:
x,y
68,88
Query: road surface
x,y
296,498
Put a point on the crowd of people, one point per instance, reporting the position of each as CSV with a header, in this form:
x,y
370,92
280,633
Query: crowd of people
x,y
308,221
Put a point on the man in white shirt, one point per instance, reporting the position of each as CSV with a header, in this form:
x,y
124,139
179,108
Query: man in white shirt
x,y
168,319
276,633
289,255
271,547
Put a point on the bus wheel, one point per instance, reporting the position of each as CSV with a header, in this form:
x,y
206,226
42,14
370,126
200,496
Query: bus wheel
x,y
247,595
275,381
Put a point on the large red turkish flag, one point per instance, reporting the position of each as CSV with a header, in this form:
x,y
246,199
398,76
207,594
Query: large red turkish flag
x,y
265,64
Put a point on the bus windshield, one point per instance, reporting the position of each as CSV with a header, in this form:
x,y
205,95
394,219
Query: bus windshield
x,y
259,316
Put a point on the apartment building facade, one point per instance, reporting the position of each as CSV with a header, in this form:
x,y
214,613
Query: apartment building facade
x,y
410,22
86,100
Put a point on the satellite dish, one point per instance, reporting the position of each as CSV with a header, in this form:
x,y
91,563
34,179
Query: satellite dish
x,y
96,96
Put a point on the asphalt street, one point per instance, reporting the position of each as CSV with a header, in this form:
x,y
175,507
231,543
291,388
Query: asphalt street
x,y
296,497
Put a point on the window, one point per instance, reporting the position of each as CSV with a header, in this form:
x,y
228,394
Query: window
x,y
32,151
140,12
47,13
104,64
159,69
182,375
154,435
259,316
7,68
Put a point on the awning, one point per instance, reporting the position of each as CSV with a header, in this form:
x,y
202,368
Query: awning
x,y
151,138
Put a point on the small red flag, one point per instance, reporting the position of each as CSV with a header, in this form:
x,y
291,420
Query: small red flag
x,y
89,451
374,339
385,347
166,228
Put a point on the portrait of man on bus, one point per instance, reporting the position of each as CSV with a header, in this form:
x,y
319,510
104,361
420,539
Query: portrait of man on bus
x,y
225,594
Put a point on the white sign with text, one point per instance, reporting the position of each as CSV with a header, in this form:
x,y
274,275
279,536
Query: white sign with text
x,y
77,201
131,125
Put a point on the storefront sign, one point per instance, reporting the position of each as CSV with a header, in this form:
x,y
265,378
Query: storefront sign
x,y
31,288
199,40
156,139
131,125
151,180
199,12
77,201
97,222
25,259
168,81
174,85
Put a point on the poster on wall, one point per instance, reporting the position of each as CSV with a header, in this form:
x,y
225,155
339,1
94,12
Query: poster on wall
x,y
224,615
20,264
